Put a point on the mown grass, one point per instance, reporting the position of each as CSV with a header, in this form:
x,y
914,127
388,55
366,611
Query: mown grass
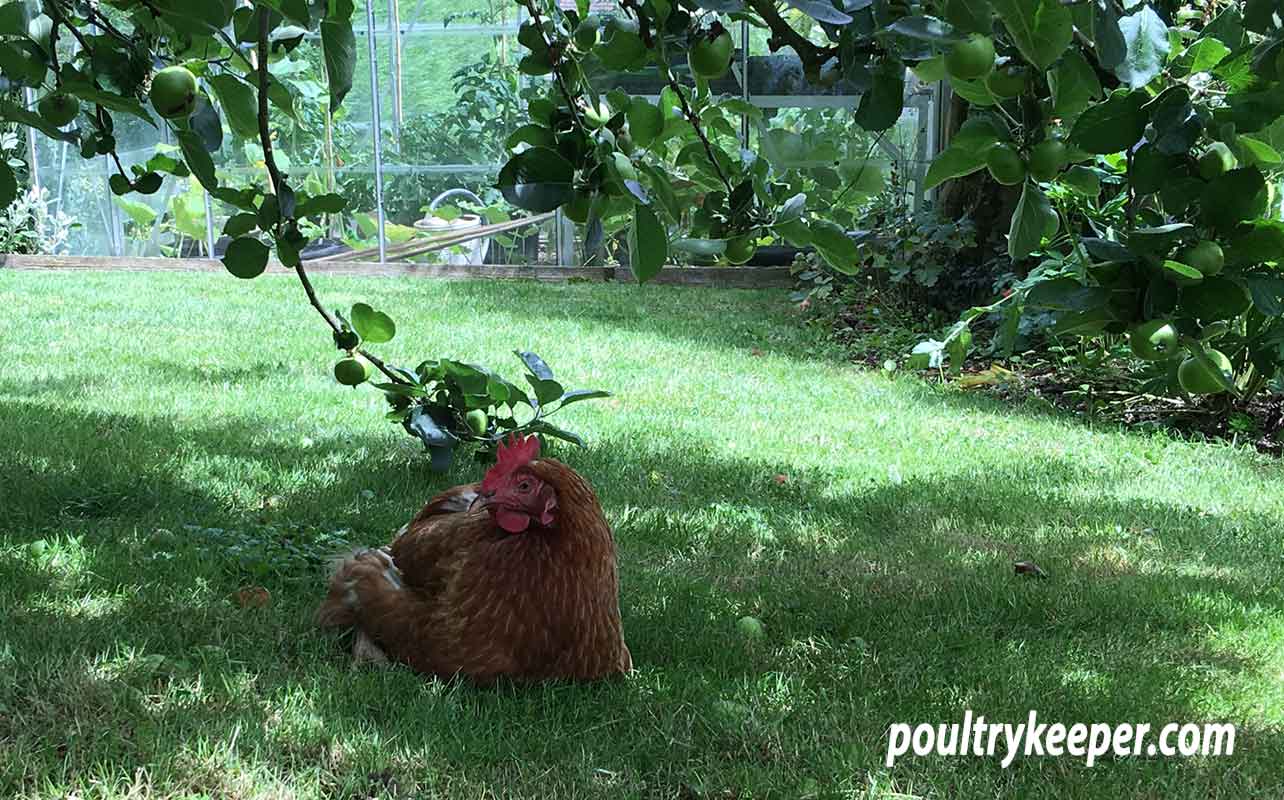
x,y
162,436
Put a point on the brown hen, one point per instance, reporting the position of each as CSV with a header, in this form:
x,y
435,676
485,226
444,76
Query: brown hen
x,y
514,576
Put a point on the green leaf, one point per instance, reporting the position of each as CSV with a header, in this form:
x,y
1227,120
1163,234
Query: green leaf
x,y
1182,270
11,112
1256,242
1033,221
737,106
240,104
546,390
1074,86
198,159
372,326
537,366
1146,38
1234,197
241,224
701,247
141,213
835,246
975,92
547,428
1112,126
645,121
926,28
1175,126
321,204
1083,180
1066,294
20,66
13,19
109,100
8,185
648,244
881,106
663,190
532,135
1258,152
972,16
582,394
1042,29
340,48
246,257
965,154
1201,56
538,179
820,10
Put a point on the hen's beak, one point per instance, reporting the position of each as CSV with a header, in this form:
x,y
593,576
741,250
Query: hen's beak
x,y
482,499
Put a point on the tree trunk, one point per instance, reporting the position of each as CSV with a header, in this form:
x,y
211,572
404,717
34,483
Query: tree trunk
x,y
990,205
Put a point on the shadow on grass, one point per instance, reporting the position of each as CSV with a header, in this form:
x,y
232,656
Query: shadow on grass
x,y
891,602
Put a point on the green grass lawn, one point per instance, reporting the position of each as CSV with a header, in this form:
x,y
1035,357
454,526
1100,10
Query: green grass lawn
x,y
163,436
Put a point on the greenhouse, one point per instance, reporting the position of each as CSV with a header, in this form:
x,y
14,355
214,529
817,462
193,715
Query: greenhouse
x,y
436,96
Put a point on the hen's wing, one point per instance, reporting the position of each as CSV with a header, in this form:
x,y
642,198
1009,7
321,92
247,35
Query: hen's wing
x,y
425,545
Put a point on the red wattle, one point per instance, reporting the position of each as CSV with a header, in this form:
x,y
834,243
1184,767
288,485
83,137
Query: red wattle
x,y
512,521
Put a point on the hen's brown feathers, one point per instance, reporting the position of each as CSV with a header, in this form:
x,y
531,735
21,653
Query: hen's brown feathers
x,y
463,596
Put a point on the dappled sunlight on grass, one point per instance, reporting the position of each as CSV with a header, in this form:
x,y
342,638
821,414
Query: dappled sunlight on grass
x,y
188,440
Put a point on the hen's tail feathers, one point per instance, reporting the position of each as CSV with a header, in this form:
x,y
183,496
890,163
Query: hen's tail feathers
x,y
342,606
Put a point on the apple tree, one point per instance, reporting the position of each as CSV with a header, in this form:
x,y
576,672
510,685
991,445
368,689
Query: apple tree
x,y
1138,137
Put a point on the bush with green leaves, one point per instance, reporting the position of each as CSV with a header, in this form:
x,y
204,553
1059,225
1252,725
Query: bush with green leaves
x,y
1181,102
1144,142
213,72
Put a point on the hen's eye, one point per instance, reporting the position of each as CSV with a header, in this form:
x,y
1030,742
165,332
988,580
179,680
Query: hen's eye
x,y
524,486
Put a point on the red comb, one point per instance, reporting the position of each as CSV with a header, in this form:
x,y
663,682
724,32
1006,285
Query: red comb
x,y
511,456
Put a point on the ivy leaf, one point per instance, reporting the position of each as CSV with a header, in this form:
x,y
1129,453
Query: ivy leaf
x,y
1042,29
1032,222
372,326
246,257
1146,39
648,244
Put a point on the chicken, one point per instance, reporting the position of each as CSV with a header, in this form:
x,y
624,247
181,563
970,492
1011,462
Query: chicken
x,y
511,577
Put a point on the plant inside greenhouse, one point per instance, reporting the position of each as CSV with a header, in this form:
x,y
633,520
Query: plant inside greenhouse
x,y
914,432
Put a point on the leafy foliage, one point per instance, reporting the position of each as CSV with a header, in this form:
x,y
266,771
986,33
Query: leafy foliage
x,y
1162,112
